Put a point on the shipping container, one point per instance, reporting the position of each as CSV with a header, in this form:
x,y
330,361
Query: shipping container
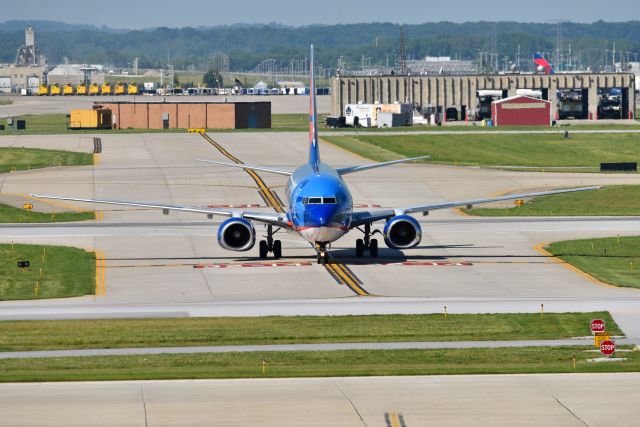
x,y
90,119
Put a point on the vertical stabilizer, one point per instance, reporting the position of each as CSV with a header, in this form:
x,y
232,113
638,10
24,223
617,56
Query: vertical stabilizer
x,y
314,149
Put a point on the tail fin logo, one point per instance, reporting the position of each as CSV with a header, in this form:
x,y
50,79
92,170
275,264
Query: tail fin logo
x,y
542,63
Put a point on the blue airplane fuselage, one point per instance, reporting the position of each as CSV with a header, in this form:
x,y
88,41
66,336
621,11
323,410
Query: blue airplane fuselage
x,y
320,204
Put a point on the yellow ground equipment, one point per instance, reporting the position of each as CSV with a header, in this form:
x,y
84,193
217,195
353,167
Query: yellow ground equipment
x,y
90,119
81,89
121,89
94,89
67,89
54,89
132,89
106,89
43,90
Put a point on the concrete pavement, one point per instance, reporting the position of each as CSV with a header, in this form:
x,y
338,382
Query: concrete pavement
x,y
483,400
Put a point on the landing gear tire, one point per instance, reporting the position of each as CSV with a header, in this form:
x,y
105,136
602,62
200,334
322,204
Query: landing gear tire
x,y
277,249
373,248
359,248
322,259
264,249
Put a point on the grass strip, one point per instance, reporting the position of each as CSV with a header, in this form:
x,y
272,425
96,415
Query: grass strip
x,y
20,158
54,272
6,102
531,150
171,332
10,214
314,364
617,200
613,260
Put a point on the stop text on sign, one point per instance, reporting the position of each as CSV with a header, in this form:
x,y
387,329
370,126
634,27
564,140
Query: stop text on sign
x,y
607,347
597,325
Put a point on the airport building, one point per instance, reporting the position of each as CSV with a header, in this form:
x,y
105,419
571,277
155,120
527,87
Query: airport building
x,y
188,114
438,93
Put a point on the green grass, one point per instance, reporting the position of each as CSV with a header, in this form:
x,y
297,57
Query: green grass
x,y
20,158
54,272
609,201
612,260
531,150
55,124
6,101
122,333
313,364
10,214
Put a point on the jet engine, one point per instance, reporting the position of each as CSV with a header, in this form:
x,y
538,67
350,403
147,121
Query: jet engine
x,y
402,232
237,234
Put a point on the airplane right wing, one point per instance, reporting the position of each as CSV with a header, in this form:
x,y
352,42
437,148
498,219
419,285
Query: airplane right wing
x,y
366,217
273,218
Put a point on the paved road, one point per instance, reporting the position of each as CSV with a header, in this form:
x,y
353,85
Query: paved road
x,y
581,341
482,400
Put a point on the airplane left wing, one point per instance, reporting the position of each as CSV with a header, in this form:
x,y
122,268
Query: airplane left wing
x,y
273,218
365,217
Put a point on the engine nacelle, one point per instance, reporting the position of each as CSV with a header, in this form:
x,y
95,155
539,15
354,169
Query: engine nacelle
x,y
402,232
237,234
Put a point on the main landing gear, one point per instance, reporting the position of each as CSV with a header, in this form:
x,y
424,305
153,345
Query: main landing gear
x,y
270,245
367,243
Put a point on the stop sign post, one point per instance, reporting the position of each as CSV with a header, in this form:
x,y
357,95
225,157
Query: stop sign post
x,y
608,347
597,325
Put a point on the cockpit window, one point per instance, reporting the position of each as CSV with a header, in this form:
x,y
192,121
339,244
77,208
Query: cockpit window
x,y
319,201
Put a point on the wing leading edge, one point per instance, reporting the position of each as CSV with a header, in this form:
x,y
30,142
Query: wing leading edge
x,y
272,218
364,217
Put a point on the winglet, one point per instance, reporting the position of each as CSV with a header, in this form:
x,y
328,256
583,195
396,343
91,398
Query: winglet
x,y
314,150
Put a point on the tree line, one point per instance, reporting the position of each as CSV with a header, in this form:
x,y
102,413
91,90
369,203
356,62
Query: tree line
x,y
376,43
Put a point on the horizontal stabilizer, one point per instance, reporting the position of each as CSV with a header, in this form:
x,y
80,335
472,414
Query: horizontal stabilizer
x,y
252,167
352,169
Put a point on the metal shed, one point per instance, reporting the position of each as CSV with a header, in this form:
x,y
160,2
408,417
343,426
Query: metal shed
x,y
521,111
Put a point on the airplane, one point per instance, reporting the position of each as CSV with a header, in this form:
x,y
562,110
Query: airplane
x,y
543,64
320,206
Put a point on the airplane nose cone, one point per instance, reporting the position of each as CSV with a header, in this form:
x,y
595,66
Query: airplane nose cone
x,y
323,214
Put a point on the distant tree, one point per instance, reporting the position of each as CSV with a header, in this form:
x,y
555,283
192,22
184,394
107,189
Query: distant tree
x,y
212,78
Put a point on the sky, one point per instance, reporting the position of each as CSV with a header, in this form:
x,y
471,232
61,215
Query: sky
x,y
137,14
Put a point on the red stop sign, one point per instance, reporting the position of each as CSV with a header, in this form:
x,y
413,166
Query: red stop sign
x,y
597,325
607,347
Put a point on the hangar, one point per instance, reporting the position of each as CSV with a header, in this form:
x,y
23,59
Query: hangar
x,y
436,93
188,114
521,111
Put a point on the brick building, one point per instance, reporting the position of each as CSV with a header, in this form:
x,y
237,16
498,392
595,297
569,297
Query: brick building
x,y
188,114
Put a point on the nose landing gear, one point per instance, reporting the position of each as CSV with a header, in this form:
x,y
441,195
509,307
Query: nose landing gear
x,y
323,255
